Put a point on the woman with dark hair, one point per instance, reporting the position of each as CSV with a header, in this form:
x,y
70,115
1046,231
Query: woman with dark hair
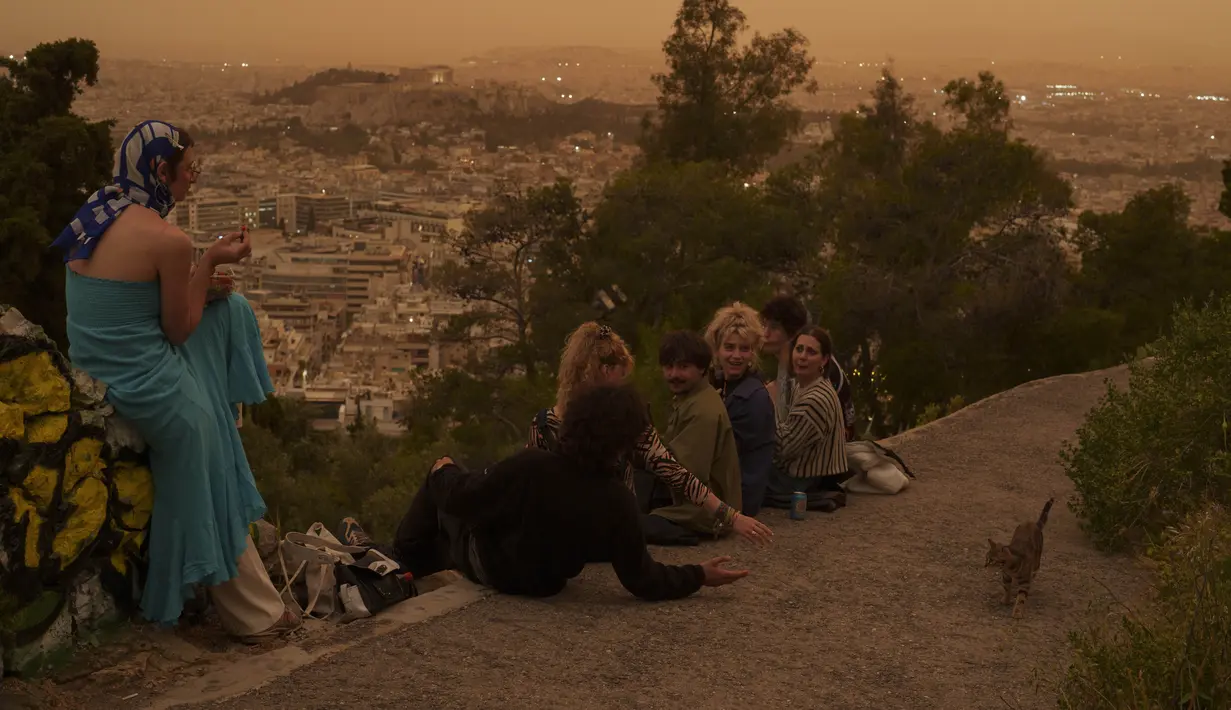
x,y
176,365
784,318
811,453
535,519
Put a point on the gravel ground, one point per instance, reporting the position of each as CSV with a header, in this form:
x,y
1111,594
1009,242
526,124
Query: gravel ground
x,y
884,604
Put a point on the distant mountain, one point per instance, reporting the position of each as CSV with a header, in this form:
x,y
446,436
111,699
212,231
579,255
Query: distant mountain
x,y
583,55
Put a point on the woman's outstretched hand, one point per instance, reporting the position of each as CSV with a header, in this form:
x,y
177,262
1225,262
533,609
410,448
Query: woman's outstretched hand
x,y
716,575
753,529
229,249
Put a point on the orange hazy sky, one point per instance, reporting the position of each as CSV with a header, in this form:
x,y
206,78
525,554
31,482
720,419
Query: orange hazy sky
x,y
411,31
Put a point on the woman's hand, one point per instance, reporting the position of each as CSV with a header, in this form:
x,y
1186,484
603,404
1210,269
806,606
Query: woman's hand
x,y
716,575
753,529
229,249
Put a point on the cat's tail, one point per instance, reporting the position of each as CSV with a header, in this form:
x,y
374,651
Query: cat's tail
x,y
1046,510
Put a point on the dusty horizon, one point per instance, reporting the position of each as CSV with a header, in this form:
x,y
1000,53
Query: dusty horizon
x,y
316,32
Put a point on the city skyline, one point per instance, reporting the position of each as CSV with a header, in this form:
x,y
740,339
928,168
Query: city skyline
x,y
317,32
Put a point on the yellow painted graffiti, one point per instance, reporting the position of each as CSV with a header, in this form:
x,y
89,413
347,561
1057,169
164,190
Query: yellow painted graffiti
x,y
90,512
25,512
40,485
134,490
85,458
47,429
71,502
12,421
39,489
127,550
34,383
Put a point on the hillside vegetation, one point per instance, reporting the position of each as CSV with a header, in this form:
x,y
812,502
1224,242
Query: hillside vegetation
x,y
303,92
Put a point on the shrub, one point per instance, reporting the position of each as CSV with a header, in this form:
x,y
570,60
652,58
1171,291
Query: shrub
x,y
935,411
1151,454
308,476
1176,654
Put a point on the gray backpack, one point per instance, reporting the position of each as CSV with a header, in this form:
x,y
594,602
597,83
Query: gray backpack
x,y
306,571
876,469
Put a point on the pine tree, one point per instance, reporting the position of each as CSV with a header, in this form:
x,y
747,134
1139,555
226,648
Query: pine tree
x,y
49,159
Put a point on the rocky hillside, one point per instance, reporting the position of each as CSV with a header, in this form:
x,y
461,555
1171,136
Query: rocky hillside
x,y
376,105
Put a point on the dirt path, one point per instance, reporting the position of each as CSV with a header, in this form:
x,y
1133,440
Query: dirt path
x,y
884,604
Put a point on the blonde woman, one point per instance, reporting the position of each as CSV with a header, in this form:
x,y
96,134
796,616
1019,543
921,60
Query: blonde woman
x,y
735,336
595,354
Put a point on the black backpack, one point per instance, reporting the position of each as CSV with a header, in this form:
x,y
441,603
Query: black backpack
x,y
364,592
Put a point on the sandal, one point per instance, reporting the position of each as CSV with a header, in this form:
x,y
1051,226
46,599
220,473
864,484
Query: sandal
x,y
285,625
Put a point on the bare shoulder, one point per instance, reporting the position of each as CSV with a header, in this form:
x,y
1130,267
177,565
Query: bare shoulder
x,y
167,238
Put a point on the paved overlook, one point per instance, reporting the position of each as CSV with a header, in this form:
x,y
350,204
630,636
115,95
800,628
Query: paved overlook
x,y
884,604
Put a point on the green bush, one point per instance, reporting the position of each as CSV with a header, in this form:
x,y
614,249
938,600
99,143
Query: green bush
x,y
1151,454
1176,654
309,476
935,411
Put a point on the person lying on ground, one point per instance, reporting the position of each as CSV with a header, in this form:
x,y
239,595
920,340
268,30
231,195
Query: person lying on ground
x,y
533,521
595,354
698,433
811,455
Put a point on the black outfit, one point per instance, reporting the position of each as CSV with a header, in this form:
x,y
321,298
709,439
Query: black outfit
x,y
824,494
529,525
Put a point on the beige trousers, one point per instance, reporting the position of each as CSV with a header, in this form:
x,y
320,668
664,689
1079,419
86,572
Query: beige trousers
x,y
249,603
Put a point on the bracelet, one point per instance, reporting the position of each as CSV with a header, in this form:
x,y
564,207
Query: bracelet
x,y
725,514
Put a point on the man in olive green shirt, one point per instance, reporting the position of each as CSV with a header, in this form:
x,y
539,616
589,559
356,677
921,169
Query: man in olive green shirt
x,y
699,433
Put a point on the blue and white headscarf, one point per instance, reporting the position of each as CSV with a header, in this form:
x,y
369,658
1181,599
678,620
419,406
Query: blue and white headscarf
x,y
136,182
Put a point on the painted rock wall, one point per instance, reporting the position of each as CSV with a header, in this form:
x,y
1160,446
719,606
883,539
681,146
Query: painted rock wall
x,y
75,499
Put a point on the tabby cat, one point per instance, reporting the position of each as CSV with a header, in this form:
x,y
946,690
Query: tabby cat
x,y
1019,560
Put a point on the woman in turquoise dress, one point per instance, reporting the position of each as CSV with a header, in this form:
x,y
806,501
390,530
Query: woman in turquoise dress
x,y
176,365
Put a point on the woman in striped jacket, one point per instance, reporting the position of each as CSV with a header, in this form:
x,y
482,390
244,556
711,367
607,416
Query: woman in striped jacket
x,y
811,453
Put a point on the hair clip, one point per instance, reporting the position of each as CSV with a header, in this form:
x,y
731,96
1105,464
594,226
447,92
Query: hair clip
x,y
604,331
